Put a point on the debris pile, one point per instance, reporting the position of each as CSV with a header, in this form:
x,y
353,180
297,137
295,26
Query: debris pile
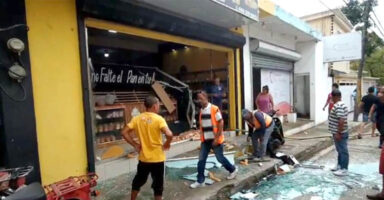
x,y
187,136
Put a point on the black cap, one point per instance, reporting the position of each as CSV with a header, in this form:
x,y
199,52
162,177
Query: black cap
x,y
336,93
246,114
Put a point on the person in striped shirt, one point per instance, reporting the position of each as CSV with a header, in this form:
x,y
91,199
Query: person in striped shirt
x,y
338,126
212,137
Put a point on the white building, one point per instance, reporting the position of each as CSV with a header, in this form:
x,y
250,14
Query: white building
x,y
334,22
286,54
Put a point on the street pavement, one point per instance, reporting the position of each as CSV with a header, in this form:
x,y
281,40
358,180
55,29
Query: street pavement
x,y
177,188
321,184
364,159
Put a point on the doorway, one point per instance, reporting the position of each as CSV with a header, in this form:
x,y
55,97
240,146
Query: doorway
x,y
302,95
256,72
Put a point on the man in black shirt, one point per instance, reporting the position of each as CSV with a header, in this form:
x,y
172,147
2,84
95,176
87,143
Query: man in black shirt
x,y
379,107
365,106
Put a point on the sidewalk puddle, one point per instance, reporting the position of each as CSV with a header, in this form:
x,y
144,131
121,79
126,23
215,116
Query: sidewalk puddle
x,y
316,183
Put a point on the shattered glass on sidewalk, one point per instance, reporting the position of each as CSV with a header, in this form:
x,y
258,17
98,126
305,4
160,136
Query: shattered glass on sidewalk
x,y
318,183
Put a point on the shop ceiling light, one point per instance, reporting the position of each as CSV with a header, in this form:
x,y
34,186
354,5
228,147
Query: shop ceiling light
x,y
185,47
106,55
112,31
173,50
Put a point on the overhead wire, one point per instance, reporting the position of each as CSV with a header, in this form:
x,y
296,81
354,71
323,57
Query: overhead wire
x,y
332,10
376,22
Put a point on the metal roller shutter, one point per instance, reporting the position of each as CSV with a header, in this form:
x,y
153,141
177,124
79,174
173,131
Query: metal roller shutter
x,y
270,62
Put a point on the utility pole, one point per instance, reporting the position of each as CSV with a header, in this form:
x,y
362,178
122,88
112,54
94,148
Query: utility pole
x,y
367,11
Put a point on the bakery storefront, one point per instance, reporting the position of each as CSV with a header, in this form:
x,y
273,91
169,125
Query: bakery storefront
x,y
140,51
89,65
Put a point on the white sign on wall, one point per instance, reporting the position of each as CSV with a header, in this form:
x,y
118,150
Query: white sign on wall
x,y
342,47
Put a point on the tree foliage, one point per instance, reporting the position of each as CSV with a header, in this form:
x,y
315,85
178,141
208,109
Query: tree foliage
x,y
374,43
375,64
374,51
354,10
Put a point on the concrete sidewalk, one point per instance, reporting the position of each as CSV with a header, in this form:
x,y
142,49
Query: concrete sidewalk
x,y
177,188
107,169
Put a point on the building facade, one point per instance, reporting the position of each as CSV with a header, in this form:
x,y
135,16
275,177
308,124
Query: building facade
x,y
334,22
285,53
89,64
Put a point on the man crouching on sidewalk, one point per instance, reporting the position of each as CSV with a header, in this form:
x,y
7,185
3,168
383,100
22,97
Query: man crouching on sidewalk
x,y
149,127
211,127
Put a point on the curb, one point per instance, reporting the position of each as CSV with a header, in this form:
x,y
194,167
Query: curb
x,y
230,189
226,191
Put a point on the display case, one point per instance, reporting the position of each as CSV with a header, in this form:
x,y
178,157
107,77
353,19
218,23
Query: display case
x,y
109,122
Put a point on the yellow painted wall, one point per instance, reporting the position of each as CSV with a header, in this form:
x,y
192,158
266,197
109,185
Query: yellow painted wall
x,y
232,93
322,25
266,8
56,76
239,89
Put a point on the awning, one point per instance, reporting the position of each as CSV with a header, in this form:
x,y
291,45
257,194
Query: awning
x,y
273,50
149,17
223,13
285,23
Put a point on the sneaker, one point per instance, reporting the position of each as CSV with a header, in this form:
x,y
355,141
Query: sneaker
x,y
233,174
197,185
336,168
341,172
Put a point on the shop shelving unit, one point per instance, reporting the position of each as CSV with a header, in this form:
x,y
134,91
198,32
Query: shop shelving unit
x,y
109,122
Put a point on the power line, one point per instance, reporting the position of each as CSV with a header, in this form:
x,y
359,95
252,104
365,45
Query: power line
x,y
378,21
380,27
325,5
332,10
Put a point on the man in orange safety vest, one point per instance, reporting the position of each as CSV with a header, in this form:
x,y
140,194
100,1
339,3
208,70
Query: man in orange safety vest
x,y
211,135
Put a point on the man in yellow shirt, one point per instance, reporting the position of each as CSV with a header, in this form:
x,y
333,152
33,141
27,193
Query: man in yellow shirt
x,y
149,127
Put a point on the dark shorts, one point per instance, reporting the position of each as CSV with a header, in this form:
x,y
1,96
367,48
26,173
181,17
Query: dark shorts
x,y
380,126
157,173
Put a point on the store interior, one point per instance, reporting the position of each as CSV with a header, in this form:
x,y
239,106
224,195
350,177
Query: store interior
x,y
126,68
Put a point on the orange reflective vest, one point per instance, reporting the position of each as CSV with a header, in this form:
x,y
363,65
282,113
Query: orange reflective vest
x,y
268,121
215,124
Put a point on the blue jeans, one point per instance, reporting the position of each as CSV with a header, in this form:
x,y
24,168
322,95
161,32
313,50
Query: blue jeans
x,y
219,153
260,141
342,151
